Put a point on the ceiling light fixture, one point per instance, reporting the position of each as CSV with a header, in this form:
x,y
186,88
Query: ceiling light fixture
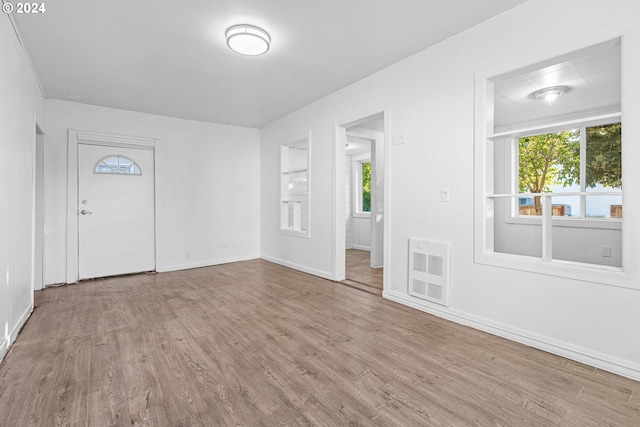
x,y
248,39
550,94
73,96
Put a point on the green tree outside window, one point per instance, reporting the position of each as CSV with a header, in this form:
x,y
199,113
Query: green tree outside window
x,y
554,159
366,186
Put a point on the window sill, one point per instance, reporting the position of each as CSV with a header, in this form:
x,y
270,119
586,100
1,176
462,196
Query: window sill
x,y
600,274
294,233
603,224
362,215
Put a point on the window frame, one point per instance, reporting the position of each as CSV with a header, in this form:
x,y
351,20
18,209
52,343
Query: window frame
x,y
137,171
484,135
358,161
512,166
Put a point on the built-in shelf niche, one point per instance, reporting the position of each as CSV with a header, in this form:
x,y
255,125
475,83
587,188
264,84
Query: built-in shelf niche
x,y
294,187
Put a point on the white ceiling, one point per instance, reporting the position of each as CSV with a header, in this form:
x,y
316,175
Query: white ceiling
x,y
593,76
169,57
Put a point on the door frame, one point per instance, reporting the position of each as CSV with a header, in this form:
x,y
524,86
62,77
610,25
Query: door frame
x,y
338,220
376,231
76,137
38,214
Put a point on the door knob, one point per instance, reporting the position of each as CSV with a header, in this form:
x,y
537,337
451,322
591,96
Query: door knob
x,y
83,212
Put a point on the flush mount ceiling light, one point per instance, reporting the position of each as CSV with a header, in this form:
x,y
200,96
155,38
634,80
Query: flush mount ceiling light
x,y
550,94
248,39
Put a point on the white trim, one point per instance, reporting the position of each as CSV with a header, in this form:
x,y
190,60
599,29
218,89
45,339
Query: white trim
x,y
209,263
366,215
556,126
76,137
361,248
99,138
593,273
484,208
580,354
602,224
320,273
338,203
13,333
338,227
294,233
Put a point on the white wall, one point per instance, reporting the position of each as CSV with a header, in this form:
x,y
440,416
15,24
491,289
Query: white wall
x,y
209,185
362,233
431,96
21,104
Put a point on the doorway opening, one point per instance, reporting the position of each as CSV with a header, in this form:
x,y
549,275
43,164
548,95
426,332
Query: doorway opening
x,y
363,201
37,277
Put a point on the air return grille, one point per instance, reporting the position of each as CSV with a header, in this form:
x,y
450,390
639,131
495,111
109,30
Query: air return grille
x,y
429,270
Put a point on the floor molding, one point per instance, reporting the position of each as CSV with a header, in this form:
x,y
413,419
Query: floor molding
x,y
579,354
13,334
208,263
320,273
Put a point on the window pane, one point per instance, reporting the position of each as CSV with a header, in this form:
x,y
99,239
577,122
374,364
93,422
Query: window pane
x,y
366,186
604,170
117,165
604,206
548,162
527,206
566,206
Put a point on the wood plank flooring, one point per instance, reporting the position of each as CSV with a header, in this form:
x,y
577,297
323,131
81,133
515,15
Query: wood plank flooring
x,y
360,275
254,343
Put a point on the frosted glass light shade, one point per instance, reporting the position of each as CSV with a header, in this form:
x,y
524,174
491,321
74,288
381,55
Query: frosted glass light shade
x,y
248,39
550,94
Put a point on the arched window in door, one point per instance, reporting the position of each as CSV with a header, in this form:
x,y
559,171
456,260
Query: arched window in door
x,y
116,164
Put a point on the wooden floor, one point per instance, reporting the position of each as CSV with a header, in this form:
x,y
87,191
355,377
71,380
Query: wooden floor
x,y
254,343
360,275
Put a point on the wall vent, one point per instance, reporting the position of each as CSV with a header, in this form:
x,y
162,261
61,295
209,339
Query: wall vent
x,y
429,270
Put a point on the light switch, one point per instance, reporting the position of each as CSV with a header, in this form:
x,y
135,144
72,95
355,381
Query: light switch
x,y
399,138
444,195
606,251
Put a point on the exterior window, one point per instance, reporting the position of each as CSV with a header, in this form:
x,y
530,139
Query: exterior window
x,y
581,167
363,187
294,188
116,164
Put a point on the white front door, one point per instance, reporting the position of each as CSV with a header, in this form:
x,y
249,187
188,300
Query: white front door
x,y
116,218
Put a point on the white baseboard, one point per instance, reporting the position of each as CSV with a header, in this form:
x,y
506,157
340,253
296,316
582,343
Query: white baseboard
x,y
303,268
208,263
13,334
362,248
605,362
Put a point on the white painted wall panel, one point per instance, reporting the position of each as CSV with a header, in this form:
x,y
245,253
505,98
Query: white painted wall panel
x,y
21,104
430,96
362,233
209,184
